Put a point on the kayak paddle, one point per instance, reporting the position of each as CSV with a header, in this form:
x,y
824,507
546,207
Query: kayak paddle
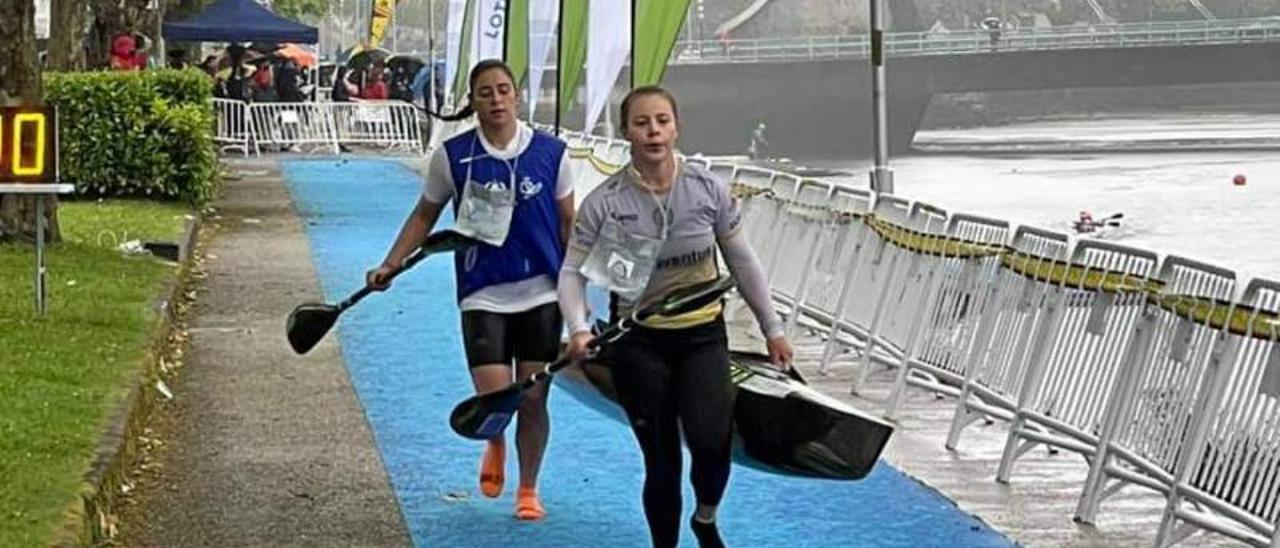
x,y
485,416
309,322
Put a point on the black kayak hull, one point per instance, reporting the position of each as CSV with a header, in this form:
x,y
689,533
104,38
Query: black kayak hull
x,y
781,425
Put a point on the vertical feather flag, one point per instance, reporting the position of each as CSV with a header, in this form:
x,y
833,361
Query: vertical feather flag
x,y
608,45
543,18
573,51
378,21
657,25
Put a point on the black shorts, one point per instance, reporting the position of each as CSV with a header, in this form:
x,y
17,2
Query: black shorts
x,y
532,335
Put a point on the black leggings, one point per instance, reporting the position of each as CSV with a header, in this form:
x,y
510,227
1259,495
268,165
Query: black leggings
x,y
668,378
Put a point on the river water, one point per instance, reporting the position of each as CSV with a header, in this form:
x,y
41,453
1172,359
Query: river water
x,y
1170,175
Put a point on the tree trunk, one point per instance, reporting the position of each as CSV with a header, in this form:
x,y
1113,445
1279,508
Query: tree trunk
x,y
20,84
66,36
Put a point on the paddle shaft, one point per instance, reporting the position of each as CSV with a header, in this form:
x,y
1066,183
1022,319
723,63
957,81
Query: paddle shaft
x,y
414,258
624,325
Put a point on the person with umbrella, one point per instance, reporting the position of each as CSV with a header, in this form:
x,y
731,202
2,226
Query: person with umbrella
x,y
375,87
512,192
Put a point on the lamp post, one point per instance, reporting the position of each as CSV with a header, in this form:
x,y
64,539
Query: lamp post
x,y
881,175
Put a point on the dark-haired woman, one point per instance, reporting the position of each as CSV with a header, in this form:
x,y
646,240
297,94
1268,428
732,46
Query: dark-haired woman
x,y
654,227
511,191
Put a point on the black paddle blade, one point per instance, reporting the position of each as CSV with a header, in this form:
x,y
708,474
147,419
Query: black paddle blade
x,y
485,416
308,323
443,241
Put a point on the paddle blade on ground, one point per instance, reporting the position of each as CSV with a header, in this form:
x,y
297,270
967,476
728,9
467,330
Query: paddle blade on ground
x,y
485,416
308,323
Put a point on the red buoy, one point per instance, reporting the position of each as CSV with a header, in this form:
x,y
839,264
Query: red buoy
x,y
1239,180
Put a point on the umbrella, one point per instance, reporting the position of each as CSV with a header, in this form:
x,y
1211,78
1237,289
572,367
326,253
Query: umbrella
x,y
363,59
404,68
405,64
265,47
300,55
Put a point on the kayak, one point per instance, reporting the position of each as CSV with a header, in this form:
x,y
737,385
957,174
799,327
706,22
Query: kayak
x,y
781,425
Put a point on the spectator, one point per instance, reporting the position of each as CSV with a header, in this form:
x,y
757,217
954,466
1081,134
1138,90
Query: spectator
x,y
125,54
210,65
264,89
993,27
177,59
342,89
287,88
376,88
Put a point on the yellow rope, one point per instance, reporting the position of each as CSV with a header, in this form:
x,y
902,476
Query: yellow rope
x,y
604,167
930,244
1238,319
1076,275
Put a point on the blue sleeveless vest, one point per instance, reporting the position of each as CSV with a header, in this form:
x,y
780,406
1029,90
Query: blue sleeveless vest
x,y
533,246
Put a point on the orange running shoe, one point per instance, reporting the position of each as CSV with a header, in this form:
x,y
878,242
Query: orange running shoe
x,y
527,506
492,467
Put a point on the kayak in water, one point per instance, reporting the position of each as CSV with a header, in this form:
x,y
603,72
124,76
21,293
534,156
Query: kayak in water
x,y
1086,224
781,425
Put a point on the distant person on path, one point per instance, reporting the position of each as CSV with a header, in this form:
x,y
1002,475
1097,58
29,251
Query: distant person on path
x,y
993,26
759,147
512,190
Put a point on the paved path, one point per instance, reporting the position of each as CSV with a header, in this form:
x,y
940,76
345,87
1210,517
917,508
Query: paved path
x,y
262,447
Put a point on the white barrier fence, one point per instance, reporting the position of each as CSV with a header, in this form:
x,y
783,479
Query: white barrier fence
x,y
1151,369
234,129
316,127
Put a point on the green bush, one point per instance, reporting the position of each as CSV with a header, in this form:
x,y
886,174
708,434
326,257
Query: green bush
x,y
184,87
140,134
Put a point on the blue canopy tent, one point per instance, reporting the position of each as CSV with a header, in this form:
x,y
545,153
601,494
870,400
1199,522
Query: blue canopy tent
x,y
239,21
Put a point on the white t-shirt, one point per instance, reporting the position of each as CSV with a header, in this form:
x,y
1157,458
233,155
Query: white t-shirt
x,y
439,187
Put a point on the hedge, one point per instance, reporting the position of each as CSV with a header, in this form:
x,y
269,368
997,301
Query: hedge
x,y
136,134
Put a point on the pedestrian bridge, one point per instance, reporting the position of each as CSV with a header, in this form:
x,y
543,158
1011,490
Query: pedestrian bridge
x,y
977,41
815,92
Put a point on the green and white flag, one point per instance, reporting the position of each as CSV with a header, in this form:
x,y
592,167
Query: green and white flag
x,y
517,36
454,38
608,45
657,26
543,16
573,51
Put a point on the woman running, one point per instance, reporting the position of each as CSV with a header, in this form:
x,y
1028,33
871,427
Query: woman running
x,y
652,228
512,191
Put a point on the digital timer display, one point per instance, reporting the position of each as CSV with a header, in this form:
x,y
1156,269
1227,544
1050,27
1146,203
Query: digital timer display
x,y
28,145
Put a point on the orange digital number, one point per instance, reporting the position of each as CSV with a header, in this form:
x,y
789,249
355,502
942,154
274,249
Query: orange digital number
x,y
37,160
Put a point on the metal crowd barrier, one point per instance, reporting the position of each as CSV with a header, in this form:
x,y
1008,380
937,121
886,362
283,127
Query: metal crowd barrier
x,y
834,254
233,127
1092,306
1228,474
1151,369
967,257
313,127
390,124
293,125
1140,436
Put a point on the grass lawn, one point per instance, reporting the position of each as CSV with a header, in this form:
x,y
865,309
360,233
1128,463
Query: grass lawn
x,y
63,375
